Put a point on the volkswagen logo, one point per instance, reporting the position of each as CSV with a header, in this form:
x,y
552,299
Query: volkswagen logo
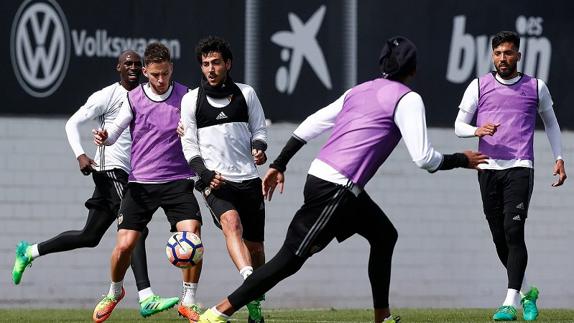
x,y
40,47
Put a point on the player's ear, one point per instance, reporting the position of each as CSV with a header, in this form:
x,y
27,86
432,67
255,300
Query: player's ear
x,y
118,67
228,65
519,56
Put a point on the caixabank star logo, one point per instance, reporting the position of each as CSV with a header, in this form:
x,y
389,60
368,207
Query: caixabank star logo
x,y
40,47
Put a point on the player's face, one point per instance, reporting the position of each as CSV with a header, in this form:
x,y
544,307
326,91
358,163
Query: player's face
x,y
159,76
505,58
214,68
130,68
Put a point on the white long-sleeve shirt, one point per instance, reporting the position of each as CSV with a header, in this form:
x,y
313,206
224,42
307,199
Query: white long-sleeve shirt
x,y
225,147
469,105
102,106
409,118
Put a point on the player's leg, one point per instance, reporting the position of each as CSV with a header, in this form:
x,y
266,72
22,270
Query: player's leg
x,y
120,261
150,303
309,232
96,225
137,208
250,203
101,215
518,190
221,205
382,236
182,211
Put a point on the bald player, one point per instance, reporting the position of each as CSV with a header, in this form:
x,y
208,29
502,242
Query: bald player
x,y
109,170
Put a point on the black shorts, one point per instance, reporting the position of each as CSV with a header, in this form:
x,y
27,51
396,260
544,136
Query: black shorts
x,y
247,199
506,191
109,190
329,211
142,200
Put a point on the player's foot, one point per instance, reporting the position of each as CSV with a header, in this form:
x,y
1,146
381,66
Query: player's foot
x,y
395,319
23,260
190,312
529,309
505,313
210,316
255,314
155,304
105,307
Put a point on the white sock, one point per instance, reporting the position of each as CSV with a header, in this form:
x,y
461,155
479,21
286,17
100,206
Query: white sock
x,y
34,251
145,293
246,272
512,298
116,289
214,310
188,294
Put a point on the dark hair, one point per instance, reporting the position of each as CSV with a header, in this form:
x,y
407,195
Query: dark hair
x,y
213,44
506,37
398,58
156,53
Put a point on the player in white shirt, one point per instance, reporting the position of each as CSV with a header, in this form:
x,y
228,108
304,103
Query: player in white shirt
x,y
225,138
109,170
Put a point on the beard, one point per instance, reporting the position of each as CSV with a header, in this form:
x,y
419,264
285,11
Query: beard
x,y
510,69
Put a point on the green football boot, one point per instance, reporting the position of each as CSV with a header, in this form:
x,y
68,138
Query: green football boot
x,y
23,260
395,319
529,309
155,304
255,313
505,313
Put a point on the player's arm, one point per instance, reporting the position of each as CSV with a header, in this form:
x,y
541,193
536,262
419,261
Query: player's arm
x,y
411,121
467,109
190,144
552,129
313,126
111,134
90,110
257,127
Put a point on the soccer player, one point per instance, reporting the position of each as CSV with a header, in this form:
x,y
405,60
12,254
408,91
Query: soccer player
x,y
505,103
110,176
159,177
368,121
225,137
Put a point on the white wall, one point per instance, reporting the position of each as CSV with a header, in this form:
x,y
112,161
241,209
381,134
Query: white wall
x,y
444,256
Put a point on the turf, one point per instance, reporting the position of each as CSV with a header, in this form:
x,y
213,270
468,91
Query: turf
x,y
282,316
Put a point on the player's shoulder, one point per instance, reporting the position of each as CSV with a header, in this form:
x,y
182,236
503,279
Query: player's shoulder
x,y
245,88
190,96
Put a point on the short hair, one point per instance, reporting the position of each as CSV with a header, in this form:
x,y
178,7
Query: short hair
x,y
213,44
156,53
506,36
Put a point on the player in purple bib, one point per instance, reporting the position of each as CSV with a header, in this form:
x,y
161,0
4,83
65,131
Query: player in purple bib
x,y
367,123
505,103
159,177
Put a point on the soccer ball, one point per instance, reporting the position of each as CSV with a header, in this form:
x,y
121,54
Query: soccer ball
x,y
184,249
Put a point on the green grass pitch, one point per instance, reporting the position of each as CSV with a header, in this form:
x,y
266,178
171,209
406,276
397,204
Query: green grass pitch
x,y
283,316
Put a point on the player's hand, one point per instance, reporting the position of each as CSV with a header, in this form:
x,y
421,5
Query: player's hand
x,y
560,171
488,129
216,181
272,179
86,163
259,156
180,130
475,158
100,136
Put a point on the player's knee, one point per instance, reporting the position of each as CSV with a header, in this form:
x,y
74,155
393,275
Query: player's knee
x,y
231,223
125,246
514,231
